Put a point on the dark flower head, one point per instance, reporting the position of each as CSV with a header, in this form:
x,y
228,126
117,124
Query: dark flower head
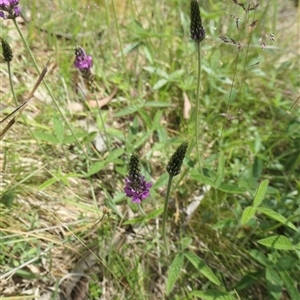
x,y
6,50
137,188
82,62
174,165
10,7
196,28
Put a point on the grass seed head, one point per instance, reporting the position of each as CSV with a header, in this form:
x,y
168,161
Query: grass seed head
x,y
177,158
196,28
6,51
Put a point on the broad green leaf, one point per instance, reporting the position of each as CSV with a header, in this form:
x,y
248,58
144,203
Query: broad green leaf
x,y
128,48
48,183
96,167
174,272
161,181
277,242
186,242
274,283
289,285
146,118
69,139
260,194
248,280
177,75
202,179
276,216
212,295
199,264
116,153
58,129
232,189
157,104
160,83
259,256
129,110
46,137
221,170
248,213
144,219
157,71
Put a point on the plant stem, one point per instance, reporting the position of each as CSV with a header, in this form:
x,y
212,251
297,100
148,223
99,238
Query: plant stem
x,y
49,90
197,103
17,104
106,141
165,216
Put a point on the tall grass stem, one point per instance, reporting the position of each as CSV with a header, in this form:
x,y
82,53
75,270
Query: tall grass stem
x,y
164,235
49,90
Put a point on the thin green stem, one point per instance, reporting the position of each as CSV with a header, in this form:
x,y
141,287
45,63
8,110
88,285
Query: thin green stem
x,y
197,103
106,140
49,90
166,244
17,104
120,41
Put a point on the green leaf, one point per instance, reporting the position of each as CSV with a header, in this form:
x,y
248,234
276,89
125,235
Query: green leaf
x,y
146,118
144,219
116,153
59,130
96,167
186,242
289,285
174,272
232,189
277,242
156,71
274,283
48,183
46,137
161,181
259,256
8,198
195,174
202,267
248,213
160,83
69,139
248,280
212,295
260,194
157,104
276,216
128,110
220,171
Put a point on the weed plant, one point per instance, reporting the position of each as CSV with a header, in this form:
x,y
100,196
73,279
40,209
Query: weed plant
x,y
156,166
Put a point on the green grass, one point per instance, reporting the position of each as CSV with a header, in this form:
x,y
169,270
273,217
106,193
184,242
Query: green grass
x,y
241,242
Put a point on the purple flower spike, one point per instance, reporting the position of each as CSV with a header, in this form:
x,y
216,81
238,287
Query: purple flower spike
x,y
82,62
137,188
10,7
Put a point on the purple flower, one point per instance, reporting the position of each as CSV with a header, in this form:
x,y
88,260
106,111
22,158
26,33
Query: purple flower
x,y
11,7
82,62
137,188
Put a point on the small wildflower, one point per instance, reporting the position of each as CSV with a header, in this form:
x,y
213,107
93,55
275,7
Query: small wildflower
x,y
262,39
10,7
177,158
136,186
6,50
84,64
196,28
106,211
